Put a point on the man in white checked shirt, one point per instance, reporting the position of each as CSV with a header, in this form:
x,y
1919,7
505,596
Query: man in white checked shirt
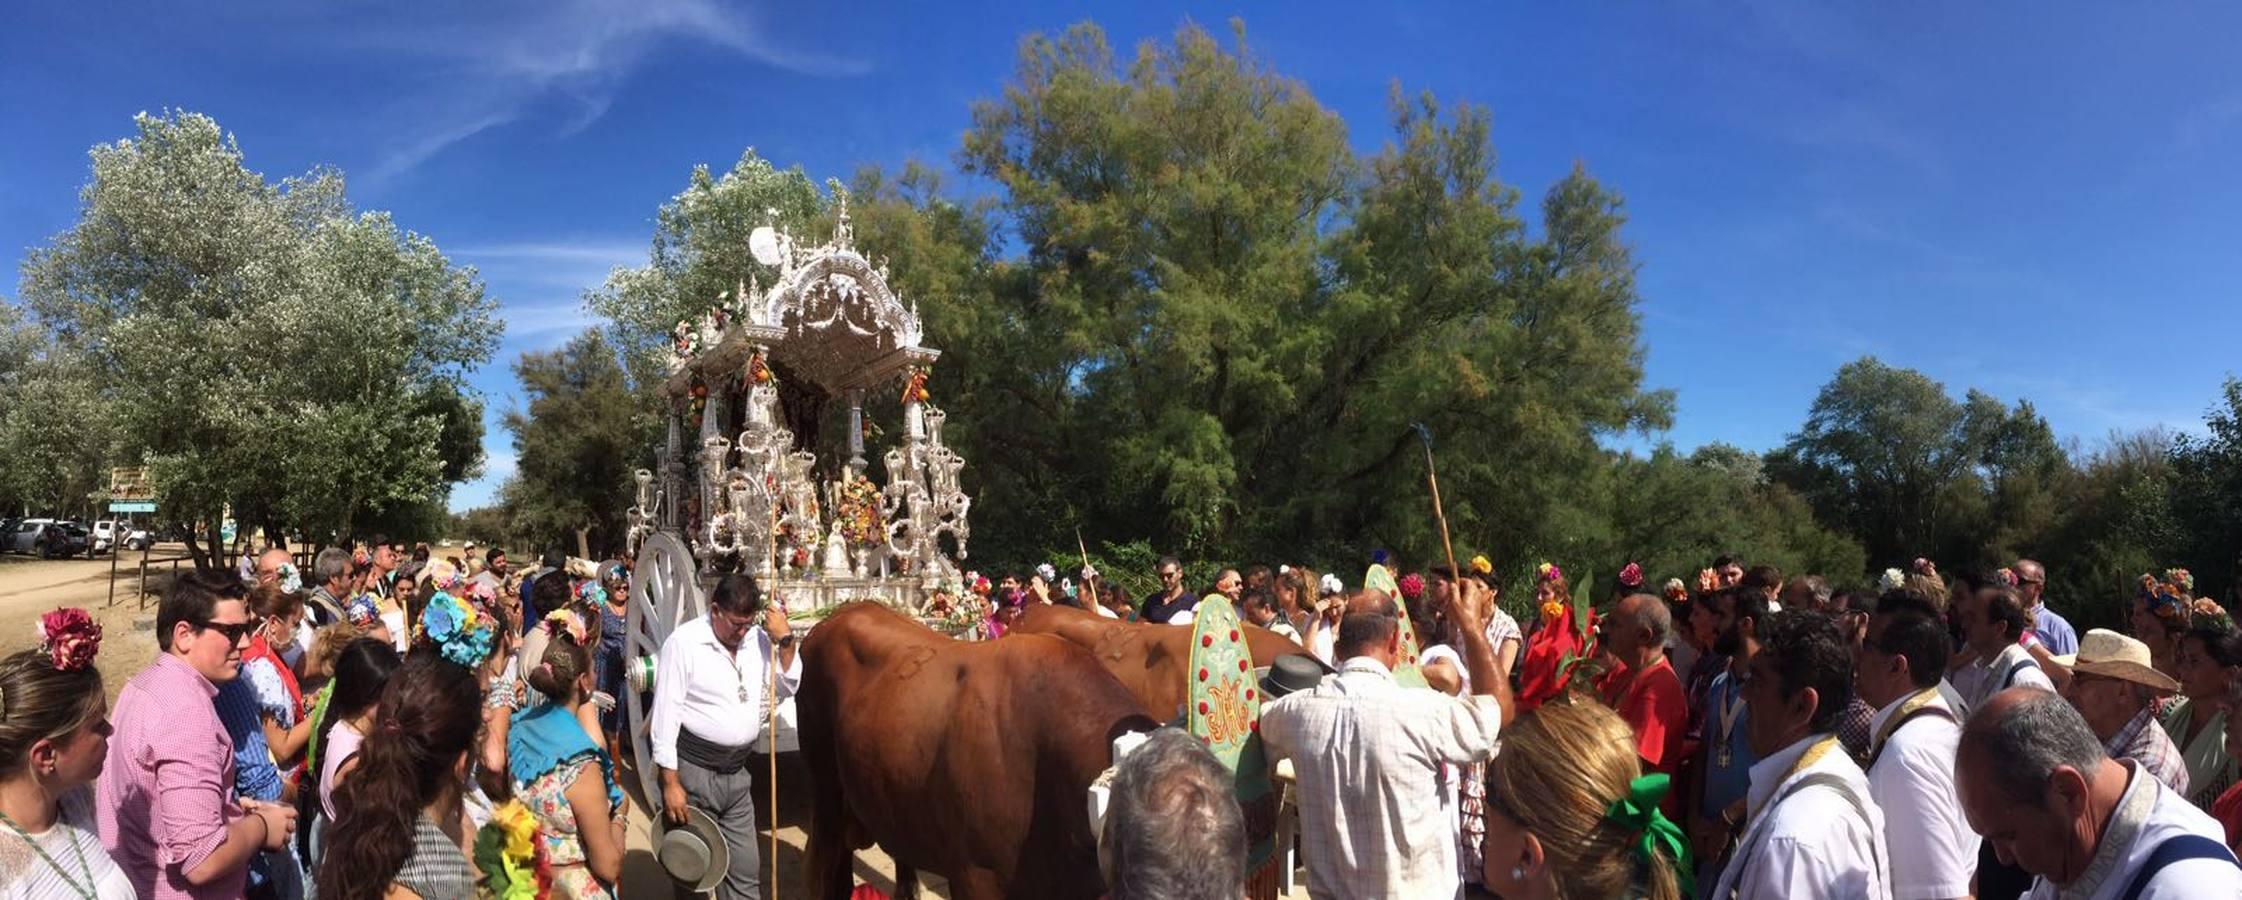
x,y
708,707
1368,751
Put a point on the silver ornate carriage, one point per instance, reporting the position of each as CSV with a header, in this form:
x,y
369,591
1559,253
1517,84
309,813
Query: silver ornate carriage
x,y
739,487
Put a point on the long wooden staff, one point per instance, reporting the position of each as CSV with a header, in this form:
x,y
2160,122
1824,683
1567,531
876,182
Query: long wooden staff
x,y
770,717
1432,476
1097,597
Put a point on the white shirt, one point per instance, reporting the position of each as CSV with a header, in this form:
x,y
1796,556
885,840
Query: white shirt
x,y
699,685
1980,680
1183,617
2147,814
1810,845
1368,753
1912,782
24,876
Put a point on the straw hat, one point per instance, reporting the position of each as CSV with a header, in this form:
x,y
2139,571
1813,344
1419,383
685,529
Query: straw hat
x,y
2112,655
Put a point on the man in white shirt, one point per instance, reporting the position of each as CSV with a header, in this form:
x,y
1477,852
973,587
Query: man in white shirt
x,y
1814,832
1911,751
1992,620
708,708
1368,754
2036,782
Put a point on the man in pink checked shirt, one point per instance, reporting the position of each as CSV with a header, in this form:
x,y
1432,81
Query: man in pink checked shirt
x,y
165,809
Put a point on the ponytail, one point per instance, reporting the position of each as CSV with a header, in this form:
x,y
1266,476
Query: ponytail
x,y
426,723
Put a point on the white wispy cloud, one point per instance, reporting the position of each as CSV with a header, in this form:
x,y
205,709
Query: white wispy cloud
x,y
546,323
549,63
540,267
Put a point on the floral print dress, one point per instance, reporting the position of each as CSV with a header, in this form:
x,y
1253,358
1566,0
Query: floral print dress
x,y
547,799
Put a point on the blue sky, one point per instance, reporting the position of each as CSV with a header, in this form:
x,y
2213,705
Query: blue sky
x,y
2038,200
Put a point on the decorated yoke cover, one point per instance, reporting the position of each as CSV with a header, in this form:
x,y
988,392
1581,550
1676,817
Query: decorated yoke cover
x,y
1224,710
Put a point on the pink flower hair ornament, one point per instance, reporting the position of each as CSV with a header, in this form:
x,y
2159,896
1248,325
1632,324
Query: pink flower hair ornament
x,y
69,638
1632,576
1412,586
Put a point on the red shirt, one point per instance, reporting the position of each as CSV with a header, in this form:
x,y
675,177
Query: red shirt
x,y
1651,703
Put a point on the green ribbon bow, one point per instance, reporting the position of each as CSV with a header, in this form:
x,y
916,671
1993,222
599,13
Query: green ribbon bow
x,y
1639,810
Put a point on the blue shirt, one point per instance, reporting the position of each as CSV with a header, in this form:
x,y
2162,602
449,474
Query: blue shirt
x,y
255,777
1726,784
2055,632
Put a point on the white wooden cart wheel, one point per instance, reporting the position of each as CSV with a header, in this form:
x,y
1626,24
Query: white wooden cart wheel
x,y
665,594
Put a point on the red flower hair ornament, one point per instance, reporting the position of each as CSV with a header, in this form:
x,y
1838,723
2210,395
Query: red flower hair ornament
x,y
69,638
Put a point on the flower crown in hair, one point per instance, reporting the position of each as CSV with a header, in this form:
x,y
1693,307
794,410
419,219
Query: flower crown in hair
x,y
1708,581
1631,577
291,580
591,593
1481,566
462,633
2006,576
1924,567
1891,581
363,611
2163,601
361,557
2211,614
1549,572
445,576
561,621
2179,578
1412,586
1675,591
69,638
1049,573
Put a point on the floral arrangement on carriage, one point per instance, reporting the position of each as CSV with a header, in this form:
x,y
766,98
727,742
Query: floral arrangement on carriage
x,y
959,614
858,508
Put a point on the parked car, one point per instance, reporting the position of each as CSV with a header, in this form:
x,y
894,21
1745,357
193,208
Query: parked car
x,y
75,539
24,535
50,538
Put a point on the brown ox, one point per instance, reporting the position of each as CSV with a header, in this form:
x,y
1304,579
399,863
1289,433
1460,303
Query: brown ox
x,y
1150,660
972,760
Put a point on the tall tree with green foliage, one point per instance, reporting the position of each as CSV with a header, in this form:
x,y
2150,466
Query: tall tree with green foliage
x,y
1237,320
264,345
575,445
699,254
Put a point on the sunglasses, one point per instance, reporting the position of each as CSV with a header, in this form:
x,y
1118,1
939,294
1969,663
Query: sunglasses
x,y
236,632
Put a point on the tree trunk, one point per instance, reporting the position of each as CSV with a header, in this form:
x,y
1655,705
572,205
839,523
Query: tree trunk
x,y
583,542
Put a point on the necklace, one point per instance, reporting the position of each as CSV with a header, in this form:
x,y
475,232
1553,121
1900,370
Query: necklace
x,y
84,890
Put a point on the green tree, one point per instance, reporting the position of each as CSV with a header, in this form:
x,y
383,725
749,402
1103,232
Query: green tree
x,y
699,254
575,443
263,346
2207,497
1673,513
1234,321
56,437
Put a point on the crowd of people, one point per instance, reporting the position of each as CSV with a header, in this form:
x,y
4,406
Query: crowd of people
x,y
404,725
1740,734
396,725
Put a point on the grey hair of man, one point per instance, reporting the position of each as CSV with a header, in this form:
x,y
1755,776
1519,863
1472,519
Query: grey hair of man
x,y
1819,588
1175,831
1652,614
330,564
2032,737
